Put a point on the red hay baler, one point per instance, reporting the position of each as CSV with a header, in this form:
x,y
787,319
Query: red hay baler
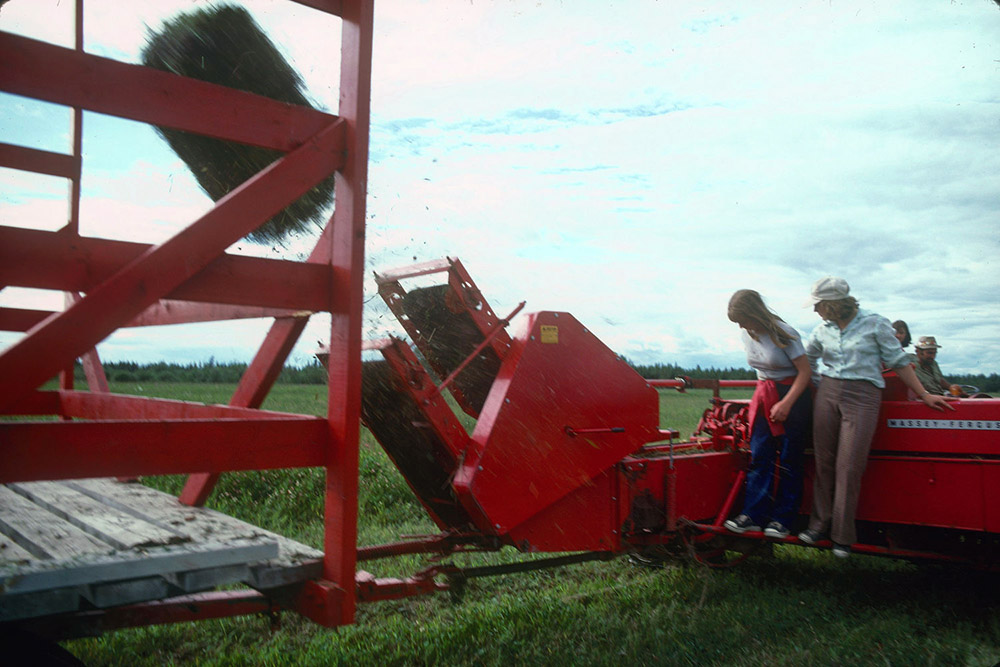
x,y
566,453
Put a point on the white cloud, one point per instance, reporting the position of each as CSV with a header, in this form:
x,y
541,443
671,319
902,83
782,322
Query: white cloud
x,y
636,166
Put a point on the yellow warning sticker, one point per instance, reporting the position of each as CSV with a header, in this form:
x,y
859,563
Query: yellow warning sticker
x,y
550,333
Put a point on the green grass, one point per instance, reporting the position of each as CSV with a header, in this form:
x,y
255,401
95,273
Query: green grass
x,y
799,606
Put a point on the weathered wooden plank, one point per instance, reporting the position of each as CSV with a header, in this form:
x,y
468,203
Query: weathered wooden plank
x,y
137,520
40,603
11,553
103,595
120,529
150,505
40,533
200,523
278,572
95,568
202,580
166,511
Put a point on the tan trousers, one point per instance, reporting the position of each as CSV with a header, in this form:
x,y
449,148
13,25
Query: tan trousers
x,y
845,416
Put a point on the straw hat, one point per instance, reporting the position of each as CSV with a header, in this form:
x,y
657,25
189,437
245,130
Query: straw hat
x,y
926,343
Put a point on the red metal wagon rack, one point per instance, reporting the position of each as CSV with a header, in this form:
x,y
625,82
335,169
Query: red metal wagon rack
x,y
566,453
189,277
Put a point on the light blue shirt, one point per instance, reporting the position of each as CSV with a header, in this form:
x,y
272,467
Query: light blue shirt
x,y
857,352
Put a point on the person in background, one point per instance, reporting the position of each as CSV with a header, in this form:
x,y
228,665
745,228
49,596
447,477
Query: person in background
x,y
902,333
928,371
852,344
780,415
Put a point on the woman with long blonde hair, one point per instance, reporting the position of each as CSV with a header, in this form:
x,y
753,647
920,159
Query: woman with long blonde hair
x,y
780,417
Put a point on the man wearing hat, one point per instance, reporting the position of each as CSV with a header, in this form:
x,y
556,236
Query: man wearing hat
x,y
928,371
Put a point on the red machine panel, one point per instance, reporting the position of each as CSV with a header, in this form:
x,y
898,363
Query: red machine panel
x,y
563,408
703,480
558,527
991,496
925,492
934,469
973,428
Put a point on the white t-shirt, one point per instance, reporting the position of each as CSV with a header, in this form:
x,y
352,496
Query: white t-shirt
x,y
770,361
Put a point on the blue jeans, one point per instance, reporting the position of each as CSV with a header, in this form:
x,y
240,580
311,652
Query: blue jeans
x,y
763,502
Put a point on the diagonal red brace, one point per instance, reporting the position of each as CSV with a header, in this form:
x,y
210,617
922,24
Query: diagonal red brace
x,y
56,342
479,348
261,375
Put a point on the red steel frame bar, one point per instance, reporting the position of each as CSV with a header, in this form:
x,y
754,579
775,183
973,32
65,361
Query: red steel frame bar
x,y
260,376
909,554
58,261
495,333
126,283
460,280
57,341
479,348
196,607
332,602
680,384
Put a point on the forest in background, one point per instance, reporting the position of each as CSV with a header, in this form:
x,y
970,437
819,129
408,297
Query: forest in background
x,y
215,372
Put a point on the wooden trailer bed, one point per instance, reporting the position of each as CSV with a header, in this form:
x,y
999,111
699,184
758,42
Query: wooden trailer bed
x,y
99,543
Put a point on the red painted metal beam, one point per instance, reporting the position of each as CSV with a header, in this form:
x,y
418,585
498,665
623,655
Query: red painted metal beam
x,y
261,375
64,76
335,7
20,319
93,370
874,550
256,382
71,450
372,589
165,312
58,341
442,543
169,311
37,161
64,262
348,260
324,602
91,405
197,607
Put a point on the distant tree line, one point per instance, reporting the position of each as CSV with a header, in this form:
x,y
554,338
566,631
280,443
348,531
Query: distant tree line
x,y
671,371
314,373
210,371
985,383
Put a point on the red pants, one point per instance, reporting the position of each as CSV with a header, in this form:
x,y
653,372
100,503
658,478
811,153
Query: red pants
x,y
845,416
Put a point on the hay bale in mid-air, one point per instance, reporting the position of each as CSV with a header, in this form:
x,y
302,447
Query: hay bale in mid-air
x,y
224,45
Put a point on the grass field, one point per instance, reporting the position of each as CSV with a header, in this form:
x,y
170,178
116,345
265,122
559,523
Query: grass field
x,y
798,606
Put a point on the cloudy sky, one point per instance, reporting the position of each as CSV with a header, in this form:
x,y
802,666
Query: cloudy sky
x,y
632,163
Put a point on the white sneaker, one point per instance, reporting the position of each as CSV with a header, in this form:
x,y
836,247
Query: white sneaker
x,y
777,530
741,524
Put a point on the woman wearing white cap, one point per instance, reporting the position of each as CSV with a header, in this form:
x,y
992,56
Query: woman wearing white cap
x,y
852,344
